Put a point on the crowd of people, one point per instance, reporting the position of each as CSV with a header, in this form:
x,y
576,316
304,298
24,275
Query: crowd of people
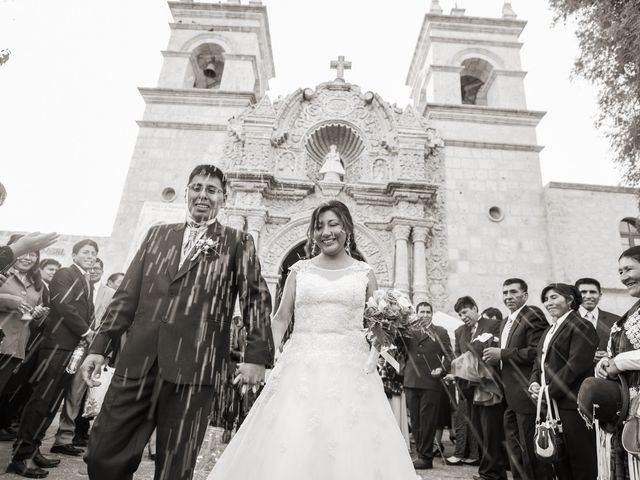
x,y
504,373
499,378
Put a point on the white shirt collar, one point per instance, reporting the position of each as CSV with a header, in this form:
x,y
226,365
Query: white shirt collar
x,y
514,315
82,271
561,319
208,223
583,312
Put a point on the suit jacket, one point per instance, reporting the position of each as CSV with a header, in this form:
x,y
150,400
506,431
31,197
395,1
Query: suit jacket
x,y
71,312
180,317
603,327
518,357
425,354
569,359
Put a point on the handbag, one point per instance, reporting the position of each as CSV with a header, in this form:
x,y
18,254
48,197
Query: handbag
x,y
548,439
631,429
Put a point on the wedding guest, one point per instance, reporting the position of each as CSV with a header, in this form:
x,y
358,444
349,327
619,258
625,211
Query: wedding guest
x,y
564,360
519,336
68,323
20,304
48,268
429,356
591,293
105,294
73,428
618,374
31,242
487,409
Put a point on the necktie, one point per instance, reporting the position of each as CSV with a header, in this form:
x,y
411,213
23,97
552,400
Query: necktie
x,y
505,332
194,231
87,279
591,317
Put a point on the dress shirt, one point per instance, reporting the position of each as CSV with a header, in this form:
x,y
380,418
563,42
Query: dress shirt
x,y
554,328
187,233
592,315
508,326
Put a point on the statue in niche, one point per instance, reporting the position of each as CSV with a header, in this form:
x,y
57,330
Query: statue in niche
x,y
380,170
332,169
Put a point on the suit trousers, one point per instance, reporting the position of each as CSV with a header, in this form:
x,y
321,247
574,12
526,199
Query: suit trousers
x,y
488,421
467,436
580,462
71,409
50,384
132,409
519,429
17,392
423,407
8,367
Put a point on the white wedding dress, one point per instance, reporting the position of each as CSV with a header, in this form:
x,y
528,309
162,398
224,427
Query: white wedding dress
x,y
320,416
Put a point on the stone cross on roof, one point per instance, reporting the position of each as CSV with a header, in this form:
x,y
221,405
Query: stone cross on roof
x,y
340,65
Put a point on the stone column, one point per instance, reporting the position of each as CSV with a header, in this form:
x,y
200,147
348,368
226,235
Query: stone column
x,y
401,236
419,239
255,222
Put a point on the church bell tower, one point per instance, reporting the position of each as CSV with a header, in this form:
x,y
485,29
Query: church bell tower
x,y
466,78
218,62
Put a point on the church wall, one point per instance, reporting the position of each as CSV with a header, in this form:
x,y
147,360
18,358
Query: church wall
x,y
480,128
583,225
484,252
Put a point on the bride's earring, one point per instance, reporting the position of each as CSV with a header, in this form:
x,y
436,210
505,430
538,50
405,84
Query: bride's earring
x,y
347,245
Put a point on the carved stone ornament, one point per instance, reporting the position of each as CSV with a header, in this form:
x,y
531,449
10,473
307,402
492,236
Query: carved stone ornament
x,y
393,164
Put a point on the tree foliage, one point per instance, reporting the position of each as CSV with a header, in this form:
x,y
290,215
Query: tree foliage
x,y
608,33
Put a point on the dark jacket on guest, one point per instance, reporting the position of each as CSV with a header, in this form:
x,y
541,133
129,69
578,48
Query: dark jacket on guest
x,y
569,359
71,302
603,327
519,355
426,353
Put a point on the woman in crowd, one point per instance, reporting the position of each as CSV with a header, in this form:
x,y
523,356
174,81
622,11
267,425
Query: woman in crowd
x,y
564,360
21,299
619,370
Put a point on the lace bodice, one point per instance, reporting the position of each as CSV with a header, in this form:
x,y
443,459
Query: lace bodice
x,y
330,301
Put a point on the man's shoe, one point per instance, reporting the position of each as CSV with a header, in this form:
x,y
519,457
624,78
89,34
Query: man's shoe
x,y
80,442
20,467
67,450
422,464
453,460
7,434
44,462
470,462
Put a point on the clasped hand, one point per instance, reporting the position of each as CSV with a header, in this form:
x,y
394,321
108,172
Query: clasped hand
x,y
249,375
607,368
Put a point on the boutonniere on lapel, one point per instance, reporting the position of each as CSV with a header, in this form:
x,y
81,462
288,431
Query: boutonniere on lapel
x,y
206,247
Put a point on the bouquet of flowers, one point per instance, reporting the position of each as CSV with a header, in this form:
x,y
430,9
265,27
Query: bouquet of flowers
x,y
387,316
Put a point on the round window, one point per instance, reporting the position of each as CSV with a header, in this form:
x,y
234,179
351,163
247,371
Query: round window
x,y
496,214
168,194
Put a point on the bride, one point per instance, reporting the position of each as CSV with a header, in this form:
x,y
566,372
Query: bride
x,y
321,415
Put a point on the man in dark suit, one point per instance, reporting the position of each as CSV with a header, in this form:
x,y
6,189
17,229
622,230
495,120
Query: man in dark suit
x,y
428,360
487,418
591,292
69,323
176,303
519,335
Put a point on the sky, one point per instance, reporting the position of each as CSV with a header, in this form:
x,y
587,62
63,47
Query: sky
x,y
69,96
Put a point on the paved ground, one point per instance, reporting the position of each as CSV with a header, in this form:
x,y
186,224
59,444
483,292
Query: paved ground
x,y
72,468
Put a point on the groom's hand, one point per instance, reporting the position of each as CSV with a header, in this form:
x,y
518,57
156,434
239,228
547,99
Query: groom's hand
x,y
92,368
250,374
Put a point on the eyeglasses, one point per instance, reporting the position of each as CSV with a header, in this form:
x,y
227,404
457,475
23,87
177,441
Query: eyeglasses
x,y
210,189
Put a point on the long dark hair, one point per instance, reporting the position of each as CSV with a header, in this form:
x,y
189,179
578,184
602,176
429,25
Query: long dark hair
x,y
343,213
34,272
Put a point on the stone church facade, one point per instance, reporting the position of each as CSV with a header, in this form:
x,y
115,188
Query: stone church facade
x,y
446,193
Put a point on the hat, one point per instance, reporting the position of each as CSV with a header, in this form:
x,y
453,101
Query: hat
x,y
604,400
